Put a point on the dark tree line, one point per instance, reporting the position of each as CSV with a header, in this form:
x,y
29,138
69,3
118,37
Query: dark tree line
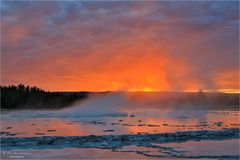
x,y
21,96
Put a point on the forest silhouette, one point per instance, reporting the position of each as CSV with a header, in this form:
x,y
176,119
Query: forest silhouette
x,y
21,96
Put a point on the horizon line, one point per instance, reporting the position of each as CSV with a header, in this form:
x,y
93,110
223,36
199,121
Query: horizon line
x,y
134,91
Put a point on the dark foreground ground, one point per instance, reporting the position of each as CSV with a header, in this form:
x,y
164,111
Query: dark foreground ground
x,y
116,142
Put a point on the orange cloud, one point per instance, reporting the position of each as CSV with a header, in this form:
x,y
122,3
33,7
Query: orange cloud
x,y
16,34
120,46
148,71
228,81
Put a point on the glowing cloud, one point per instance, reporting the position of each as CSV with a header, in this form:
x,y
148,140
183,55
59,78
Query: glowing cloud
x,y
126,46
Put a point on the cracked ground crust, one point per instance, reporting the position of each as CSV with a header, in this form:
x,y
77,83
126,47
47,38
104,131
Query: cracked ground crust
x,y
116,142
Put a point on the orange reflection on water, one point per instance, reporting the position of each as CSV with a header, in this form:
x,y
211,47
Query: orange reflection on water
x,y
142,121
214,120
51,127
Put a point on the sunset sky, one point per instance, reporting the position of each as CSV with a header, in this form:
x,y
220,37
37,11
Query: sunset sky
x,y
121,46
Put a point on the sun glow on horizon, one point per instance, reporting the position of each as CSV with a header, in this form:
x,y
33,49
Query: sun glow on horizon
x,y
148,90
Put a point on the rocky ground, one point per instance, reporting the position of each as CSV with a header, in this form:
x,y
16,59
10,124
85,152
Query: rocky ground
x,y
116,143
